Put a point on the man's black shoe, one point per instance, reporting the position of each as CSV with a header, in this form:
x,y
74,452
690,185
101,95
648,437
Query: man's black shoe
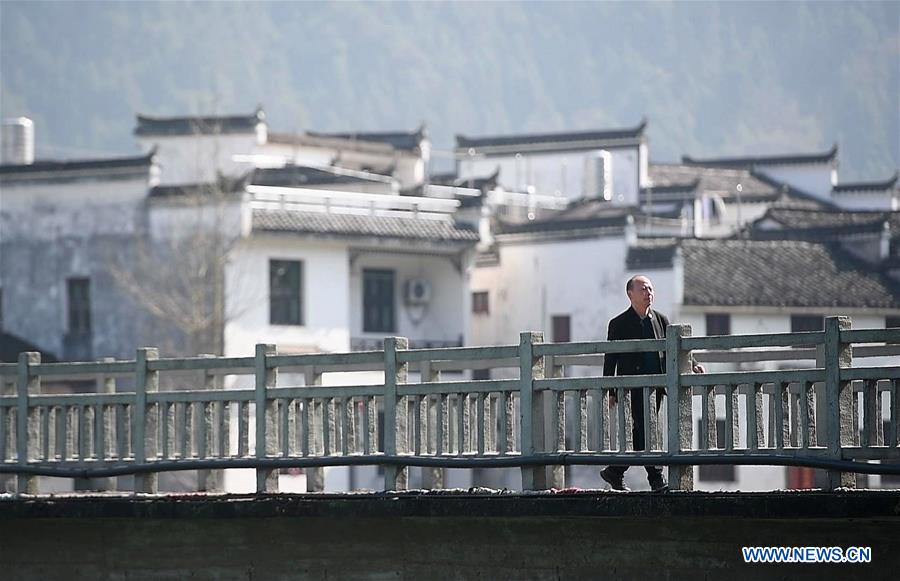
x,y
615,481
658,485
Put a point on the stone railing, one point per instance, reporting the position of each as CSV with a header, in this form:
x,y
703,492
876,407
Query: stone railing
x,y
556,410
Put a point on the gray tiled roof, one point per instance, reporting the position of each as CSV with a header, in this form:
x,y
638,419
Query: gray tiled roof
x,y
669,179
224,185
298,175
11,345
838,221
751,162
198,125
67,170
478,183
41,166
651,253
677,194
781,274
579,215
321,140
552,141
353,225
405,140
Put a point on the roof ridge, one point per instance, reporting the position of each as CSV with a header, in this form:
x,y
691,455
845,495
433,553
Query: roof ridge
x,y
42,165
463,141
750,161
874,184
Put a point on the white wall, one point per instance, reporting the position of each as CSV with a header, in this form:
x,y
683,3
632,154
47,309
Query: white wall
x,y
191,159
443,319
812,178
50,232
668,287
299,154
550,173
180,218
735,216
884,200
770,320
326,296
68,195
80,208
535,281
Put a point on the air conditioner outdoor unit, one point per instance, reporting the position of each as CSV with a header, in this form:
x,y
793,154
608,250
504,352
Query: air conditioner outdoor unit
x,y
417,291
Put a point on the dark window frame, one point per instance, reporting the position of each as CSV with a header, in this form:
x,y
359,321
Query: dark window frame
x,y
78,305
285,295
718,324
561,327
804,323
379,301
481,303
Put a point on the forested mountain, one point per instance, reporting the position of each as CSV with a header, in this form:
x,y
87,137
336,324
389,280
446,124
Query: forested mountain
x,y
723,78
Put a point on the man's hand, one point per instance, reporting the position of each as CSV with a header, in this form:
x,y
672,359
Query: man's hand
x,y
698,368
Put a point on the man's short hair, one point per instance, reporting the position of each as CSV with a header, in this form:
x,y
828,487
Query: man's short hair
x,y
630,284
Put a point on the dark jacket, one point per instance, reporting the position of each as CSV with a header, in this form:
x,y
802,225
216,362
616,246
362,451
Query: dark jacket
x,y
628,326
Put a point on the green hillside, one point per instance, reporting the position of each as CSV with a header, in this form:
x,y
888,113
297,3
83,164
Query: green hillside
x,y
725,78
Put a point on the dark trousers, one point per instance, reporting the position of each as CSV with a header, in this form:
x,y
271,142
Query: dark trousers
x,y
637,431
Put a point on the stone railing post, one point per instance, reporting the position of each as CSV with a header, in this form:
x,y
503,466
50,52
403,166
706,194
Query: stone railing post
x,y
396,439
315,475
679,411
531,412
208,480
554,406
840,423
103,426
266,419
432,477
27,438
144,425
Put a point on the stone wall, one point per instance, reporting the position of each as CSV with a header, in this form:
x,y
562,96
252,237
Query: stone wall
x,y
442,536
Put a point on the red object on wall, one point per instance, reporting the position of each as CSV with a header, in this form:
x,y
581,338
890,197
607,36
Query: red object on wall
x,y
800,477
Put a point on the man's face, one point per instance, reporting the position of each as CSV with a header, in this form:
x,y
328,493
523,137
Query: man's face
x,y
641,294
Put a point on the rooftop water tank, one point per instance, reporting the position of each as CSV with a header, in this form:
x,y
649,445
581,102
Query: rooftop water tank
x,y
17,141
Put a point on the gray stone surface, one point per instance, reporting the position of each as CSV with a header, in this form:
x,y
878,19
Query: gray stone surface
x,y
586,535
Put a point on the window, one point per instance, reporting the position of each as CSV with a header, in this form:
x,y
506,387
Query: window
x,y
718,324
1,309
561,328
889,322
378,301
481,374
285,292
79,296
480,303
801,323
716,472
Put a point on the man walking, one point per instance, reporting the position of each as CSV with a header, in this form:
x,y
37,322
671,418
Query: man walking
x,y
639,321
